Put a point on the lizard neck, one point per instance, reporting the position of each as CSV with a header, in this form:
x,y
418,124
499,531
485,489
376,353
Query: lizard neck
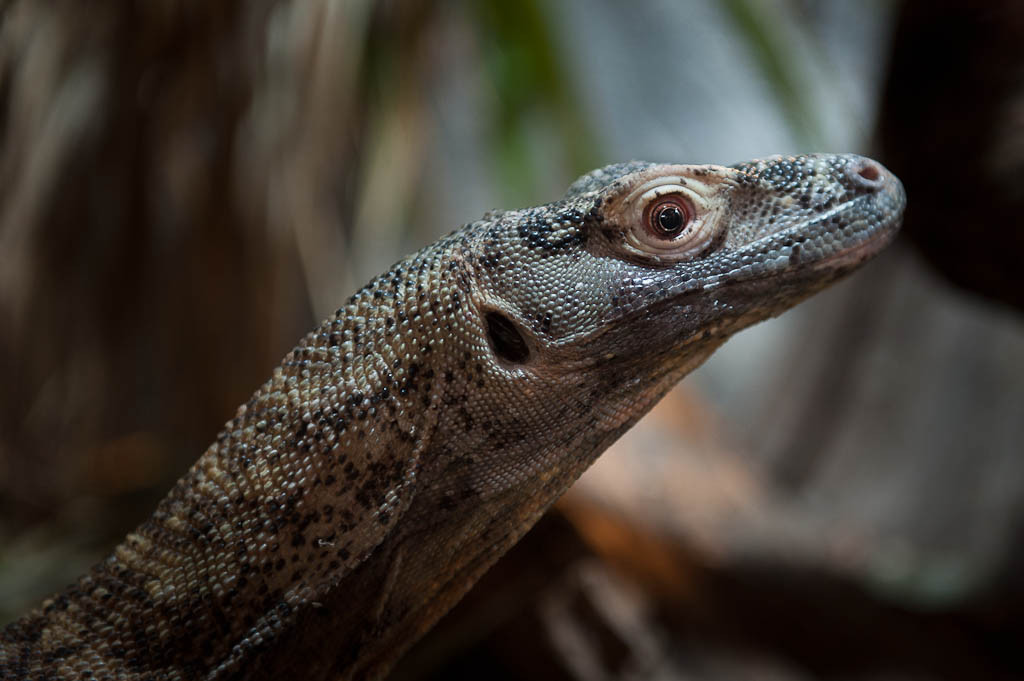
x,y
300,487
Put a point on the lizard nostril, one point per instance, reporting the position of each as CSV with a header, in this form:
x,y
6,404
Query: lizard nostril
x,y
869,172
866,173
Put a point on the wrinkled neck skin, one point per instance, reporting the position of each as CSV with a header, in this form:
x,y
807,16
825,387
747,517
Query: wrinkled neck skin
x,y
415,436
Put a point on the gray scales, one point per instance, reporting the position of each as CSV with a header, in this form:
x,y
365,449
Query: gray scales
x,y
418,433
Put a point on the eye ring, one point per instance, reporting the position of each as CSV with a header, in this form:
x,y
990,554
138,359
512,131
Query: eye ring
x,y
667,217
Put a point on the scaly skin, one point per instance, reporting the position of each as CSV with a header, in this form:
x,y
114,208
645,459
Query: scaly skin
x,y
412,438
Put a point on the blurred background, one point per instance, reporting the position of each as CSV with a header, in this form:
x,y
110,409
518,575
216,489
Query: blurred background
x,y
187,187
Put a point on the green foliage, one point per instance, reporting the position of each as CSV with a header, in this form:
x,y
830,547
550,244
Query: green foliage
x,y
533,88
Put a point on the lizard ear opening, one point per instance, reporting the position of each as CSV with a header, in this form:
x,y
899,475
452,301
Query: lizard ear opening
x,y
506,340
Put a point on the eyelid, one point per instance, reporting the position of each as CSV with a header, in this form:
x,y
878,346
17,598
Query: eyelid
x,y
661,190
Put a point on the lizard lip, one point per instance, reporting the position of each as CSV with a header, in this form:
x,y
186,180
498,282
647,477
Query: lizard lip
x,y
858,253
888,190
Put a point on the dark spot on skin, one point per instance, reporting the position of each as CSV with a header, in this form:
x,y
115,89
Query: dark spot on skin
x,y
491,259
537,231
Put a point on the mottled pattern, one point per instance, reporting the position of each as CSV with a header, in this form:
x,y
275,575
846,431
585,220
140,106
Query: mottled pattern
x,y
400,448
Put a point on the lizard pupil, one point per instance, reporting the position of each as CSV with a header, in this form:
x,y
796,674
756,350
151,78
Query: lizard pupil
x,y
670,219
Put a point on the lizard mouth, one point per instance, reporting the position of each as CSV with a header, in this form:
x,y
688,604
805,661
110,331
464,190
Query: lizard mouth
x,y
839,239
884,217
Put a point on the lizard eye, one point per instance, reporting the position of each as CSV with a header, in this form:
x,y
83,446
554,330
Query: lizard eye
x,y
670,213
667,217
669,224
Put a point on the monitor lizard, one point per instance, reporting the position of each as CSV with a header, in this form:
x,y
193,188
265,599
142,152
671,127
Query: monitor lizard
x,y
418,433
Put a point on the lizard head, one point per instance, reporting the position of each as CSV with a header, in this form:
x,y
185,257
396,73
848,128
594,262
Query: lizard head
x,y
644,262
